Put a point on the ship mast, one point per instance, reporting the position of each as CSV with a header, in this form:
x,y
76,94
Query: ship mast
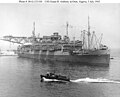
x,y
33,32
67,28
88,33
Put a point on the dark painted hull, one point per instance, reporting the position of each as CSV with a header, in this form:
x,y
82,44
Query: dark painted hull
x,y
100,60
54,78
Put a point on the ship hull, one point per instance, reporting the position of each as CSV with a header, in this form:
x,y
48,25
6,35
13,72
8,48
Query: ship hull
x,y
100,60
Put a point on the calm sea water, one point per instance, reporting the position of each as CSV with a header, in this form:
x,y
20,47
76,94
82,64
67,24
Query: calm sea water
x,y
20,77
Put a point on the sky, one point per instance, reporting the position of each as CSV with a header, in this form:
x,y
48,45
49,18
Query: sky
x,y
17,20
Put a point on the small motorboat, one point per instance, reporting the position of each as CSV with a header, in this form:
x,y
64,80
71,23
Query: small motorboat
x,y
111,58
54,78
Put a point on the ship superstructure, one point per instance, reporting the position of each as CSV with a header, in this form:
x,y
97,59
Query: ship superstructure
x,y
88,49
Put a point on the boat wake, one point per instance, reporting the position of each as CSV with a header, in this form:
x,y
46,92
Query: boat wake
x,y
98,80
54,80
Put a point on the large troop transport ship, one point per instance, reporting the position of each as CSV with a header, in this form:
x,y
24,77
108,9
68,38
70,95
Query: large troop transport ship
x,y
87,50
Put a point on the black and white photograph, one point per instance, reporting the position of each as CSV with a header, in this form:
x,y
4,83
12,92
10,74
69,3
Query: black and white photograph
x,y
59,48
